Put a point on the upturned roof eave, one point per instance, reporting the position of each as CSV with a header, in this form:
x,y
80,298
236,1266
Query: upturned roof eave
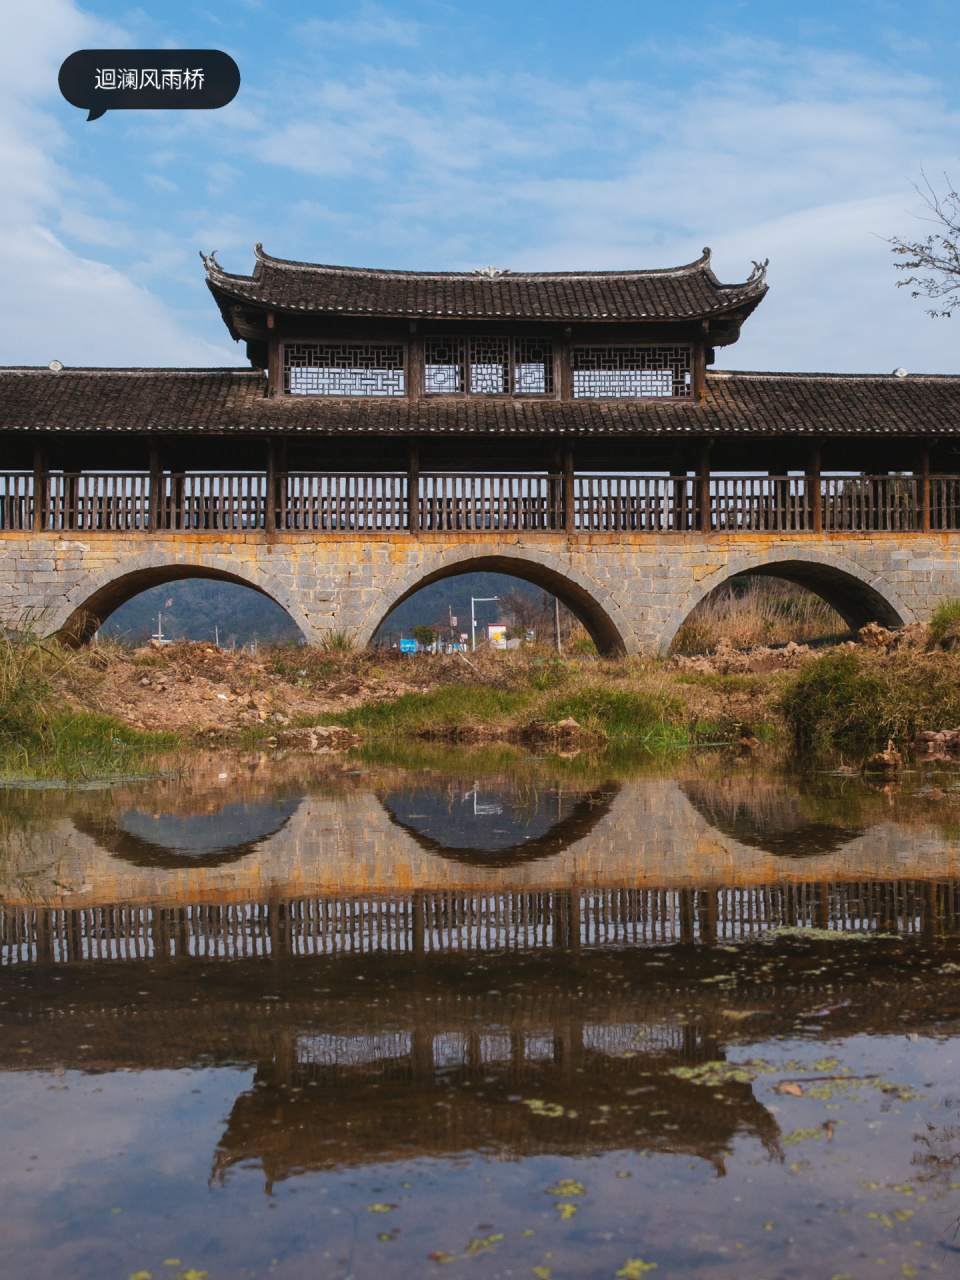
x,y
745,302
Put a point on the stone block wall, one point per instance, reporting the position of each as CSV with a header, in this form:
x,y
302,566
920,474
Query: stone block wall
x,y
632,591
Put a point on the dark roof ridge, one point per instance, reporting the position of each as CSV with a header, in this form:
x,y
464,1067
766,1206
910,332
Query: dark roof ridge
x,y
395,273
389,273
762,375
132,370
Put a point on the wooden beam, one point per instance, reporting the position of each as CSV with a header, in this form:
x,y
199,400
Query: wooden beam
x,y
924,495
565,362
569,483
39,486
415,363
270,497
413,490
703,517
274,372
813,478
699,388
155,516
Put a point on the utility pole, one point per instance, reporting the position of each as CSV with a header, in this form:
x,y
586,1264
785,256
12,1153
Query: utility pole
x,y
556,623
473,617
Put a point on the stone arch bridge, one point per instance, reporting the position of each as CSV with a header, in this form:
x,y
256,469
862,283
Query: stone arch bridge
x,y
631,590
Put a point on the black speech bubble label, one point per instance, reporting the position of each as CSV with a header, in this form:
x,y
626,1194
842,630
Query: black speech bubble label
x,y
102,80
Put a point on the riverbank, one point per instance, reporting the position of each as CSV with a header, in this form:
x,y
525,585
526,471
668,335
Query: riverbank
x,y
108,708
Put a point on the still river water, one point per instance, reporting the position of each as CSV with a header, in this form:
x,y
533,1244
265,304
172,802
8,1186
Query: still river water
x,y
483,1015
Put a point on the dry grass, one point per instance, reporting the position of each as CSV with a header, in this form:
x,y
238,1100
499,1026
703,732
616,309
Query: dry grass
x,y
858,697
760,611
46,728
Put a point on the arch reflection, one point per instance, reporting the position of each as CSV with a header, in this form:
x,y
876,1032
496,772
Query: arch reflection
x,y
498,823
775,818
176,839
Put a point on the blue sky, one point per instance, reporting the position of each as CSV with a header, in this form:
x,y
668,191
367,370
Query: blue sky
x,y
452,135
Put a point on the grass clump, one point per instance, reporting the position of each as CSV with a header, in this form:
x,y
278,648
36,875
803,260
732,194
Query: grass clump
x,y
449,707
618,712
858,699
833,703
945,623
42,735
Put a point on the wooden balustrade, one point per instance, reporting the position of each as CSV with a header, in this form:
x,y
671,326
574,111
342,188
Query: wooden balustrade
x,y
461,503
653,504
16,500
90,501
330,503
325,502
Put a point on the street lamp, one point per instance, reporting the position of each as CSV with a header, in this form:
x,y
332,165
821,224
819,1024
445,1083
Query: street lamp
x,y
473,617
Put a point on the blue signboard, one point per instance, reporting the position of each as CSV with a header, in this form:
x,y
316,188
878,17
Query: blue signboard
x,y
408,646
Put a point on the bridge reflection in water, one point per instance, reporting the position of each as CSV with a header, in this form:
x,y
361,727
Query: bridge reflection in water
x,y
570,946
250,861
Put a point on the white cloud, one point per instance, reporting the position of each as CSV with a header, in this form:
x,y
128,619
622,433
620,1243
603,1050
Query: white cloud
x,y
60,304
372,25
804,156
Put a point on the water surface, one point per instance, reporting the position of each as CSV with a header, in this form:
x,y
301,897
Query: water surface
x,y
482,1015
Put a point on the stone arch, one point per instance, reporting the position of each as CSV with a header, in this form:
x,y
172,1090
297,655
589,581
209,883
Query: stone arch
x,y
858,596
592,605
94,598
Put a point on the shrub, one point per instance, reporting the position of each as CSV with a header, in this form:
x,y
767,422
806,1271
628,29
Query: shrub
x,y
945,623
833,703
851,699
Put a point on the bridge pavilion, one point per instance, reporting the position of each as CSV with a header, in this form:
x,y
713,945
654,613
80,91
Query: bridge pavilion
x,y
395,427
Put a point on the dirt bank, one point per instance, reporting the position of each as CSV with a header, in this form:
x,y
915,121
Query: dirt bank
x,y
199,689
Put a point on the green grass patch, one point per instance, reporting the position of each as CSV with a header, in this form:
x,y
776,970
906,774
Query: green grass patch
x,y
454,706
848,700
82,745
945,623
618,712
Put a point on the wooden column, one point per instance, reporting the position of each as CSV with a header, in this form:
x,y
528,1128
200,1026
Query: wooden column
x,y
924,494
270,497
413,490
565,362
40,479
816,496
569,486
274,372
678,500
414,381
282,463
155,509
699,372
704,523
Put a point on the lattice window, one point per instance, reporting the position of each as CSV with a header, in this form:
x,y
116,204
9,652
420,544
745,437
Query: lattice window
x,y
489,366
497,366
533,367
444,366
631,371
343,369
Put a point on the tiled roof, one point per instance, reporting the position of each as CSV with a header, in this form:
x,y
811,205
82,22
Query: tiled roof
x,y
212,401
677,293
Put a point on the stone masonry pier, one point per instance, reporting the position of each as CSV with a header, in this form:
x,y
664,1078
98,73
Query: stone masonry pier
x,y
631,590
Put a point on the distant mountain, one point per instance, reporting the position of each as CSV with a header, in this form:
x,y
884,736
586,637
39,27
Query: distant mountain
x,y
435,603
200,608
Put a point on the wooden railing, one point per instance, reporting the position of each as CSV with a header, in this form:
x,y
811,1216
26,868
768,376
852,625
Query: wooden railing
x,y
324,502
330,503
483,502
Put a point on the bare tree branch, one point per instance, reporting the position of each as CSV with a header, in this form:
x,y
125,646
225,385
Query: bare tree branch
x,y
934,262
